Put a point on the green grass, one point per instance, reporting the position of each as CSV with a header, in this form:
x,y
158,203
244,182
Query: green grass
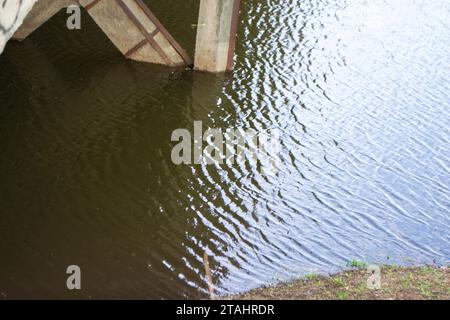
x,y
337,281
342,295
361,289
311,276
357,264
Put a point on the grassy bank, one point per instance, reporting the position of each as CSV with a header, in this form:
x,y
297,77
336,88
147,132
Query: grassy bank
x,y
415,283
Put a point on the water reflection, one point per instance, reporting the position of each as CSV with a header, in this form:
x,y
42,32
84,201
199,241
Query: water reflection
x,y
359,91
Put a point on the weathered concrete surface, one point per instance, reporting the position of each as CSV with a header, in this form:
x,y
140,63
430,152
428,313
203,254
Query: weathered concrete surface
x,y
12,14
216,35
129,24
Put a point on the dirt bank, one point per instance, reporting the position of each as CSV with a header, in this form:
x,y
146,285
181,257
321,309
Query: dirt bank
x,y
396,283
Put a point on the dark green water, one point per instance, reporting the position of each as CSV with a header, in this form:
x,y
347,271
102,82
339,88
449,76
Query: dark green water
x,y
359,89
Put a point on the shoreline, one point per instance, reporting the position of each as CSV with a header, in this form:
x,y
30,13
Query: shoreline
x,y
397,283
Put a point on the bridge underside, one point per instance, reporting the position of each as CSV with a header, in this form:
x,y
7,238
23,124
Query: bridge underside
x,y
129,24
140,36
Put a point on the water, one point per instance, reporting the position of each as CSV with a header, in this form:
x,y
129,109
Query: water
x,y
359,90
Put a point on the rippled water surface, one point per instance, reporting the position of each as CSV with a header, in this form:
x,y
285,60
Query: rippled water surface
x,y
359,89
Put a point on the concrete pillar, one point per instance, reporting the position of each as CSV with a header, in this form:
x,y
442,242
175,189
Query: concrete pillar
x,y
129,24
216,35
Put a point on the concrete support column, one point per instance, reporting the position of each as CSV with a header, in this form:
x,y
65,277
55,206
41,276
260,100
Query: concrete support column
x,y
216,35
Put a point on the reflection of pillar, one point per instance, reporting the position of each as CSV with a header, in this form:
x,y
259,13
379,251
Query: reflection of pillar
x,y
216,35
129,24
